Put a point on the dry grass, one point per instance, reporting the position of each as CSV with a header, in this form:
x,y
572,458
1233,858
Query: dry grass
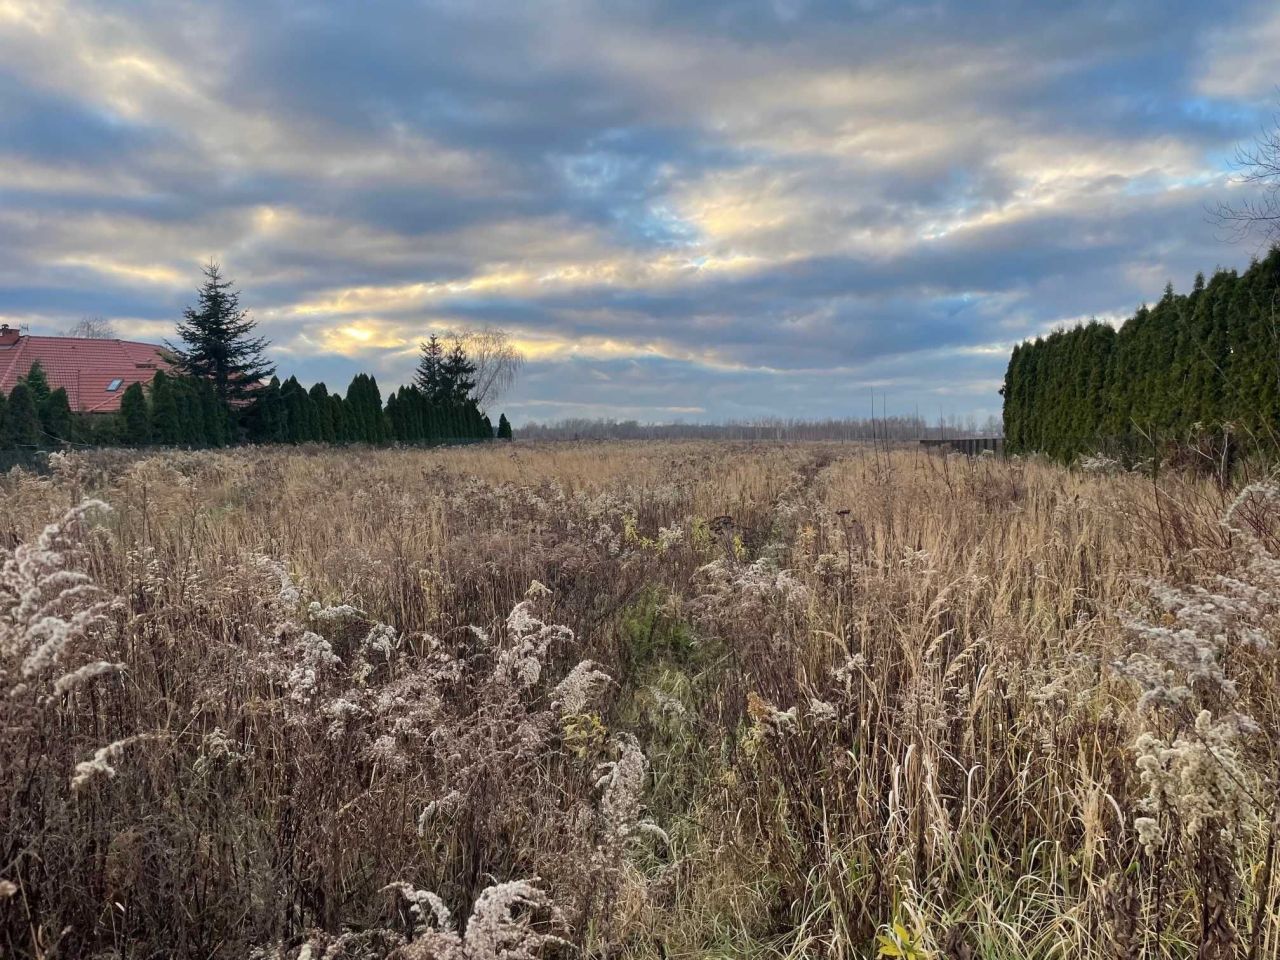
x,y
679,700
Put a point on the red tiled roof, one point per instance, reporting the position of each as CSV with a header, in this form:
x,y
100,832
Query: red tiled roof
x,y
83,367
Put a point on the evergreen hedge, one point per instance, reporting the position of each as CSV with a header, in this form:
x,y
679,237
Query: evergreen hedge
x,y
183,411
1193,361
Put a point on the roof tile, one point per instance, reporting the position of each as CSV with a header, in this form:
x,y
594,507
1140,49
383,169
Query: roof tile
x,y
83,367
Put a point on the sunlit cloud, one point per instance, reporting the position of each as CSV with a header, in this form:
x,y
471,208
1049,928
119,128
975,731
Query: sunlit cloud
x,y
703,209
129,272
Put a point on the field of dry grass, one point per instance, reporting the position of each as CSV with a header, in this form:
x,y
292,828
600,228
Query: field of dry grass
x,y
608,700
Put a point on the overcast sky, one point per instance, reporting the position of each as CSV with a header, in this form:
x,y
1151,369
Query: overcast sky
x,y
682,210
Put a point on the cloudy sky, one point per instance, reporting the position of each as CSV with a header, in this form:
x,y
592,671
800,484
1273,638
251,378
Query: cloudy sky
x,y
681,209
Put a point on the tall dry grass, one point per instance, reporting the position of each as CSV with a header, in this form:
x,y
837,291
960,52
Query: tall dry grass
x,y
635,701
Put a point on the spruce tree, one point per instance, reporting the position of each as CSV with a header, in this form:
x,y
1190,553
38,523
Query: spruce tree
x,y
457,376
219,345
504,427
135,417
428,377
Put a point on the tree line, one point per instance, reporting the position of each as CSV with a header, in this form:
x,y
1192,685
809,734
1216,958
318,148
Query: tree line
x,y
1205,360
222,391
890,427
32,411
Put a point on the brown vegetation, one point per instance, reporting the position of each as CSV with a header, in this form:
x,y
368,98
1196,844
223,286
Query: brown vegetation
x,y
635,701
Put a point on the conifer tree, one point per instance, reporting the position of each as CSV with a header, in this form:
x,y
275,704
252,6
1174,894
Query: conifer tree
x,y
214,415
380,429
1193,361
135,416
475,422
38,383
55,417
311,416
367,423
400,414
357,410
1011,391
323,410
102,430
299,415
504,427
414,409
218,341
190,413
166,426
191,432
266,420
1260,359
343,419
457,376
396,419
428,378
338,413
22,422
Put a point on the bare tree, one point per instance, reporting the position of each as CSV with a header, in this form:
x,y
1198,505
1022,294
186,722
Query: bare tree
x,y
93,328
496,358
1257,165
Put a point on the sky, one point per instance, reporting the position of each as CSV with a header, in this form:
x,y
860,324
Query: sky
x,y
680,210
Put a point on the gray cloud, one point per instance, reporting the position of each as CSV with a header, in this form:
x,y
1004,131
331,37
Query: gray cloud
x,y
703,209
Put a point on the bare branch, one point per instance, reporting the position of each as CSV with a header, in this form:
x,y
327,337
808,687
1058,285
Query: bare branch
x,y
93,328
1256,164
497,360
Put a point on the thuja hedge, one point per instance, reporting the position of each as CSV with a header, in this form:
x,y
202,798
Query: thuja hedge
x,y
1207,359
180,411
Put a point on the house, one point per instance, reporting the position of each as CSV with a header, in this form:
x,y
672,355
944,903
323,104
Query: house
x,y
95,373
